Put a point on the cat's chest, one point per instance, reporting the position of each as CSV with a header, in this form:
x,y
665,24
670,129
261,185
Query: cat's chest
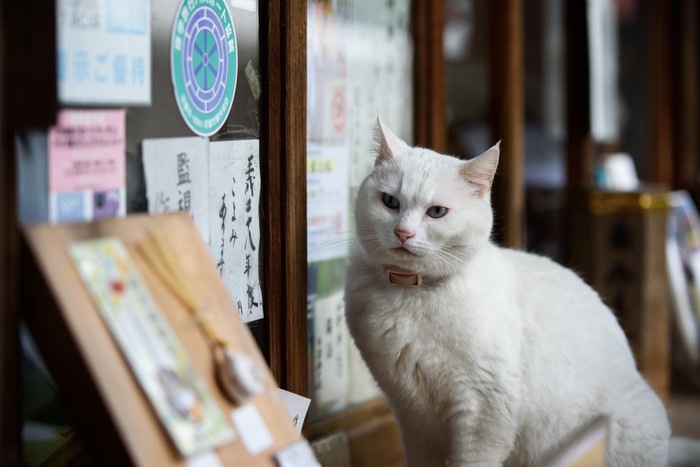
x,y
410,328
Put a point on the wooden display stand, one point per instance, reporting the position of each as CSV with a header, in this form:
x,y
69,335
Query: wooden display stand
x,y
109,409
618,245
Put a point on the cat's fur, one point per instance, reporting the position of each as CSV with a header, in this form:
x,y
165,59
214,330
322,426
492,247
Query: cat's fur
x,y
500,355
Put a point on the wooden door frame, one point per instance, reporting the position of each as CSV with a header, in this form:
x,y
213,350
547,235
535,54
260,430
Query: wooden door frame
x,y
371,429
507,91
28,99
283,166
429,114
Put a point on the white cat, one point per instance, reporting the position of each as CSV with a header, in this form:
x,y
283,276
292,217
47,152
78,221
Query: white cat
x,y
488,356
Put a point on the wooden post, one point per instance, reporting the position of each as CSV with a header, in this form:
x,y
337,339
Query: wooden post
x,y
9,345
507,117
429,115
27,99
661,119
579,142
685,98
283,158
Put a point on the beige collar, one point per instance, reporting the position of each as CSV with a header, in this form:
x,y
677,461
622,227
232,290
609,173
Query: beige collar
x,y
402,277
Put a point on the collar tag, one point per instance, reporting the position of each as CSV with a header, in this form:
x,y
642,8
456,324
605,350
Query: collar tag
x,y
402,277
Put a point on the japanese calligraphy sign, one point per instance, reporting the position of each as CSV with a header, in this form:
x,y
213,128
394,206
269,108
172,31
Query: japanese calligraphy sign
x,y
104,51
219,185
234,197
177,177
204,63
86,152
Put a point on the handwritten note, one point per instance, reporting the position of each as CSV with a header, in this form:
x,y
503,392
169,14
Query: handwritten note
x,y
177,178
297,406
234,200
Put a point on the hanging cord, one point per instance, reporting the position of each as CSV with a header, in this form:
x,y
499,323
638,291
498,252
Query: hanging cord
x,y
158,253
237,374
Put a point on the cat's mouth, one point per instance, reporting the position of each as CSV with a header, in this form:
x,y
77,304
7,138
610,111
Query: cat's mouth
x,y
403,251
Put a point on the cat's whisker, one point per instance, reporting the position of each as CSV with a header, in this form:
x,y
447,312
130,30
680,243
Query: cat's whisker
x,y
344,238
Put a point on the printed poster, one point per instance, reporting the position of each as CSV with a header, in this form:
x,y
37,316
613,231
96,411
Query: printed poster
x,y
159,362
177,178
380,58
87,166
327,76
330,354
328,202
104,51
234,197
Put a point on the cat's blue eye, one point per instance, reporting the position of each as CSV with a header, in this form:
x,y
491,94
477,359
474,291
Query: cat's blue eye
x,y
436,212
390,201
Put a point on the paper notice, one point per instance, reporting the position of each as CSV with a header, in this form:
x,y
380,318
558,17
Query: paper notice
x,y
234,200
87,165
104,51
177,178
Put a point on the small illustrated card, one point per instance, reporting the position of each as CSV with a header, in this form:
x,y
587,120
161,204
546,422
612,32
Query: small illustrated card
x,y
162,367
87,166
252,428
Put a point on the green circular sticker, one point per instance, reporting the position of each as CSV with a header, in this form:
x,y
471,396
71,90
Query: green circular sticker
x,y
204,63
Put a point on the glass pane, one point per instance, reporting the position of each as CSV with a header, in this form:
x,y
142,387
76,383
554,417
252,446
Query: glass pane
x,y
467,55
360,60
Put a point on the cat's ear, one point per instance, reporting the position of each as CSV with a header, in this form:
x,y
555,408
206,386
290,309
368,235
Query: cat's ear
x,y
389,145
480,171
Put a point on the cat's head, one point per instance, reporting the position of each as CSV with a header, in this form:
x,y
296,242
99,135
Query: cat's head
x,y
424,211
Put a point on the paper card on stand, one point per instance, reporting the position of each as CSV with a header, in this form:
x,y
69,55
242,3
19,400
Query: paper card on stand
x,y
177,178
104,51
184,404
234,200
87,165
298,454
252,428
297,406
204,459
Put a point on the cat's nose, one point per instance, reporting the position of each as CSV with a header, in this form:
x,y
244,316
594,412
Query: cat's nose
x,y
404,234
